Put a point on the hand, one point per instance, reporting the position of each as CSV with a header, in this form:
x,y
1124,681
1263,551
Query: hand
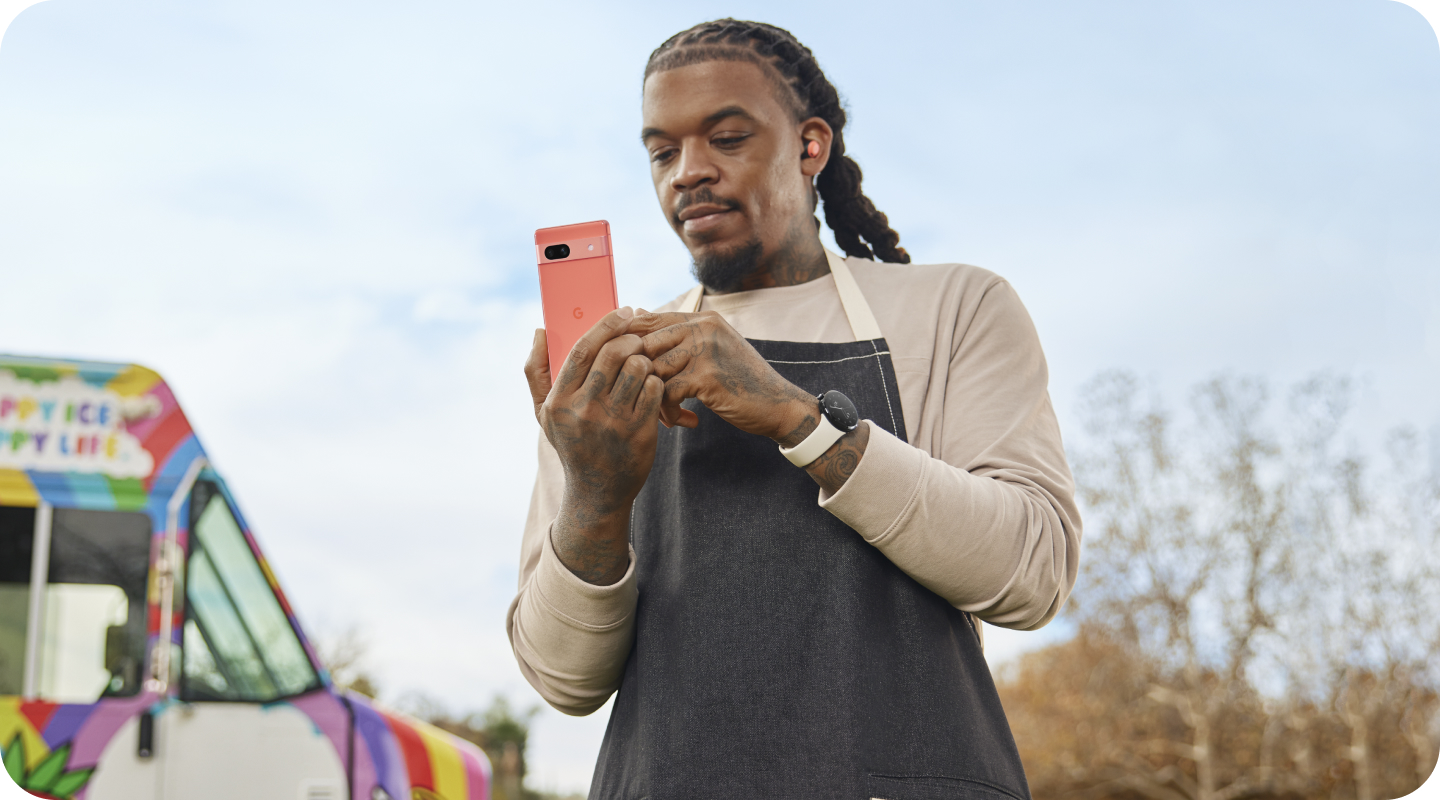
x,y
701,356
600,416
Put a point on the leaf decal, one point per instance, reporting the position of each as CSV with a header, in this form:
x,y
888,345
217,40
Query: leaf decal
x,y
47,772
71,782
15,759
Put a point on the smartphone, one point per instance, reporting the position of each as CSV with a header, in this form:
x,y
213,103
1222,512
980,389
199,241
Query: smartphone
x,y
577,283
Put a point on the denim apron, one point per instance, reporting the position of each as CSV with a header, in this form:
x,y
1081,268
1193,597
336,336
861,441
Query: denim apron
x,y
777,654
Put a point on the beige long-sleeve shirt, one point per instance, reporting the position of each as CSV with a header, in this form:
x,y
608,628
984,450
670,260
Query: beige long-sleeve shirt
x,y
979,507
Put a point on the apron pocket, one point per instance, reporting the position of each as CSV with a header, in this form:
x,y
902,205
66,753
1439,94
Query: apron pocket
x,y
935,787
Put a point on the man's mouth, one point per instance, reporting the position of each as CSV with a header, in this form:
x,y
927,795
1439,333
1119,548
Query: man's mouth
x,y
696,220
702,214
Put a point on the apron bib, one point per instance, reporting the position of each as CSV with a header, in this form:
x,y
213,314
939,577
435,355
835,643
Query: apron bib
x,y
777,654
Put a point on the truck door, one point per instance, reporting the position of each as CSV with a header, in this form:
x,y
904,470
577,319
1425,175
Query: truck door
x,y
72,643
236,733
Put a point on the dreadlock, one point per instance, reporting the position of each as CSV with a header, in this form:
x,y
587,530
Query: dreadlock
x,y
804,88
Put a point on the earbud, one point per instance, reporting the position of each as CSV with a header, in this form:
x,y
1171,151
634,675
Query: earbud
x,y
812,150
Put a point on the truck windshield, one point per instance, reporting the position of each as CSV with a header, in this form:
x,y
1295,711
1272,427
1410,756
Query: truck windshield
x,y
92,631
238,641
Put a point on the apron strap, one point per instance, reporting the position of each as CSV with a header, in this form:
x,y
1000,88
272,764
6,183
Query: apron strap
x,y
862,322
691,303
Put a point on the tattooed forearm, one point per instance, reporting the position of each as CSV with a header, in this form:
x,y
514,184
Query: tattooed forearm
x,y
591,535
834,468
596,550
592,531
605,469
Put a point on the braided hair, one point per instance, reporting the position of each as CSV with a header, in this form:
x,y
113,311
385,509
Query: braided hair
x,y
805,90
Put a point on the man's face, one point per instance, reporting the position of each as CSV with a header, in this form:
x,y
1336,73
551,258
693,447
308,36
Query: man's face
x,y
725,158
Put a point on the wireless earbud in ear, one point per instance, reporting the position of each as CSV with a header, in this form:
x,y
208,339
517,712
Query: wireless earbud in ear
x,y
812,150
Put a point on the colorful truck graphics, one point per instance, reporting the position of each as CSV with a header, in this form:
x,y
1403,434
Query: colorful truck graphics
x,y
117,535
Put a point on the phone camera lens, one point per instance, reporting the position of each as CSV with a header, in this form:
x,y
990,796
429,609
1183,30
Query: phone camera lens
x,y
556,251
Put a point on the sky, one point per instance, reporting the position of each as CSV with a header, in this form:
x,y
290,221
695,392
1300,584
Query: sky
x,y
315,219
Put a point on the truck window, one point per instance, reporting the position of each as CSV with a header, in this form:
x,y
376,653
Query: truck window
x,y
238,643
92,639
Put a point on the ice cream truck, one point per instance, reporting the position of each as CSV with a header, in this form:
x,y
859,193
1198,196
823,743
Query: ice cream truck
x,y
146,649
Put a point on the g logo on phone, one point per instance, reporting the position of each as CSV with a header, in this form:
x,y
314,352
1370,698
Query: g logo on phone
x,y
578,312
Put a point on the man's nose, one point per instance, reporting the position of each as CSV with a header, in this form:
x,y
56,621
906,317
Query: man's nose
x,y
695,169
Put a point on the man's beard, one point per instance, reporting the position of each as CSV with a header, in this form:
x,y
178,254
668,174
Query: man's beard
x,y
724,271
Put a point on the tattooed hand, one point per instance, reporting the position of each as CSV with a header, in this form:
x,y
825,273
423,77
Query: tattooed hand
x,y
701,356
600,415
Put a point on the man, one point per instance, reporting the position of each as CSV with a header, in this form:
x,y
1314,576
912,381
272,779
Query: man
x,y
767,640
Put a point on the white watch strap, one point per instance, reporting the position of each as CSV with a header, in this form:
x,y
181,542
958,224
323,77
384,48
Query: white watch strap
x,y
814,445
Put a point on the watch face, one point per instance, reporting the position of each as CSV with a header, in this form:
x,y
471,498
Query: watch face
x,y
839,410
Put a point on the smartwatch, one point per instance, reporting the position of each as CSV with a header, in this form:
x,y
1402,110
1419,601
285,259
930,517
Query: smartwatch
x,y
837,418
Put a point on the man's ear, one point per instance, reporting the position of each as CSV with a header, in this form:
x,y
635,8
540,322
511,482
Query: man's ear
x,y
819,132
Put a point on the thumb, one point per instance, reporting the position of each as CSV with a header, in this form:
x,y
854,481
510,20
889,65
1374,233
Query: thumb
x,y
537,370
672,414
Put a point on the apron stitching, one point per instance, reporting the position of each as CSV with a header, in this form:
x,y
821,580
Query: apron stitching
x,y
836,361
883,385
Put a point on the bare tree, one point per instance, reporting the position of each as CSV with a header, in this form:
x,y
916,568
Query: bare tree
x,y
1255,603
346,657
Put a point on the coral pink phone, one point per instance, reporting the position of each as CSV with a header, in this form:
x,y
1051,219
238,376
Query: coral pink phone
x,y
577,283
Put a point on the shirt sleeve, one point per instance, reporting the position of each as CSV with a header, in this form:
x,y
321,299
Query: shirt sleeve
x,y
991,525
571,638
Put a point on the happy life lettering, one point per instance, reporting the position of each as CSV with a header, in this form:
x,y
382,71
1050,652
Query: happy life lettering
x,y
85,414
66,425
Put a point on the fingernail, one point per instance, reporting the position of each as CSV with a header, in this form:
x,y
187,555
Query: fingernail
x,y
625,313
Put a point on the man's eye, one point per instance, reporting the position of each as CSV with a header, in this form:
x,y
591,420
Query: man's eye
x,y
729,141
661,156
